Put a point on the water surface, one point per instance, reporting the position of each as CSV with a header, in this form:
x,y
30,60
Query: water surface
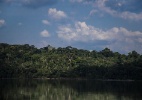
x,y
42,89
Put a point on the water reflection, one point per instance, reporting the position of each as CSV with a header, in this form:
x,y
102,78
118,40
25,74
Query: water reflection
x,y
38,89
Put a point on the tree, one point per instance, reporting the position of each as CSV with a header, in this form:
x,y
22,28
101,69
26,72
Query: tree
x,y
107,52
133,54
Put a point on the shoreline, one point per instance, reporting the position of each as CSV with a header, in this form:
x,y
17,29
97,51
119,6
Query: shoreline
x,y
81,79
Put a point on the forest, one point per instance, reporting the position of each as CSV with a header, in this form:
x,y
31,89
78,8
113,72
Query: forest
x,y
27,61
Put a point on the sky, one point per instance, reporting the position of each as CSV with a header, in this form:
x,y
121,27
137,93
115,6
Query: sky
x,y
84,24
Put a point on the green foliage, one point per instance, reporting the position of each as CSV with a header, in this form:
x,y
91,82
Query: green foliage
x,y
25,61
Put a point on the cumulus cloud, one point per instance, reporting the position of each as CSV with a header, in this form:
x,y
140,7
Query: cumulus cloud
x,y
119,8
120,37
46,22
76,0
82,1
2,22
56,14
101,5
125,5
83,32
45,33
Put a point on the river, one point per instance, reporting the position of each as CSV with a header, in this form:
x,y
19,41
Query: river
x,y
45,89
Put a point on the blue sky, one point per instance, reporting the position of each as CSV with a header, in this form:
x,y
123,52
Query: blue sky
x,y
86,24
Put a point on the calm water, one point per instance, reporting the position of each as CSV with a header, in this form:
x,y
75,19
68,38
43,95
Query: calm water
x,y
14,89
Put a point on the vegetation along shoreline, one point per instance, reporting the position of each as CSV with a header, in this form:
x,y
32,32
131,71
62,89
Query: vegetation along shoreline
x,y
27,61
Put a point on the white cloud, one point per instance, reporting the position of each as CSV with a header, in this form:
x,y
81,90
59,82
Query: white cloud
x,y
82,32
20,24
130,15
93,12
76,1
56,14
46,22
119,4
119,38
82,1
45,33
2,22
100,4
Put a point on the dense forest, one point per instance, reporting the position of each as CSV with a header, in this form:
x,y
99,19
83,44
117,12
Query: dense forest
x,y
27,61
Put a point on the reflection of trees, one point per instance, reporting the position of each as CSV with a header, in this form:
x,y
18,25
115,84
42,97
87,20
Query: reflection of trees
x,y
36,90
69,90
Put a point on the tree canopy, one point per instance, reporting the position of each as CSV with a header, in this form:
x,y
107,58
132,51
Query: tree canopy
x,y
27,61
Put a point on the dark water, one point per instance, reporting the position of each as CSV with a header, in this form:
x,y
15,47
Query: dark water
x,y
37,89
